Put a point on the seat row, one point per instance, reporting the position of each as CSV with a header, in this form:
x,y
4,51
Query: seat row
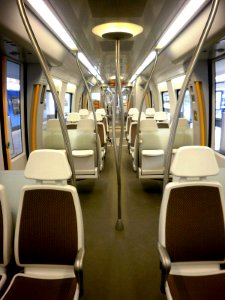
x,y
87,151
148,151
48,238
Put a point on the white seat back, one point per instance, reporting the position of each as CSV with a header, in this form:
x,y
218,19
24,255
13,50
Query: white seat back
x,y
73,117
193,161
160,116
150,112
83,112
53,125
101,111
136,116
48,165
132,111
86,125
148,125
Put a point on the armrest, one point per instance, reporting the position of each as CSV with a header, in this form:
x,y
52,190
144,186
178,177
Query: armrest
x,y
165,265
79,260
164,258
78,266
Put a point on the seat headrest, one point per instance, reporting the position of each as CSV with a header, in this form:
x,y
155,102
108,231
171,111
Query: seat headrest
x,y
101,111
150,111
46,164
83,112
86,124
136,116
98,116
194,161
53,125
73,117
160,116
132,111
148,125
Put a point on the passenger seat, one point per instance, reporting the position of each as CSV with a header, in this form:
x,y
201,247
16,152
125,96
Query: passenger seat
x,y
192,228
49,238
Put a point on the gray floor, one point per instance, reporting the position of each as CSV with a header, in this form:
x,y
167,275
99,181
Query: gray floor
x,y
120,265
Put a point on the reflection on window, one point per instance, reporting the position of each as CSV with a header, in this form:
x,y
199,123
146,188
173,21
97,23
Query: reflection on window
x,y
67,104
186,108
95,96
166,103
14,115
219,141
49,108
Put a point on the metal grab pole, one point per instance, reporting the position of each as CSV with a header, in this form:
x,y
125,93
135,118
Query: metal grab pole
x,y
118,150
183,90
120,99
93,110
115,150
44,65
140,110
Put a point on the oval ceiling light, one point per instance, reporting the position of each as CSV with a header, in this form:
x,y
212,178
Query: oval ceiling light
x,y
117,30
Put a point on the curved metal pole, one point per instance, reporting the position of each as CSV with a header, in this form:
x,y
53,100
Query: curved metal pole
x,y
190,69
93,110
44,65
118,150
140,110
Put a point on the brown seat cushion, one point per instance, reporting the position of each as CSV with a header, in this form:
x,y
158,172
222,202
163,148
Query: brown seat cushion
x,y
210,287
24,288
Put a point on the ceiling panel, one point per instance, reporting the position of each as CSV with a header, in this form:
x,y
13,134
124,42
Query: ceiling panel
x,y
117,8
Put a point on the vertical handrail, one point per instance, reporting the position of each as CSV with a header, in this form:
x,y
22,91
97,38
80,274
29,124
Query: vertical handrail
x,y
45,67
119,90
129,97
118,150
93,110
190,69
140,110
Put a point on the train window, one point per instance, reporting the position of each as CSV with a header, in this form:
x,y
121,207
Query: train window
x,y
186,108
67,103
219,141
95,96
165,102
14,108
49,108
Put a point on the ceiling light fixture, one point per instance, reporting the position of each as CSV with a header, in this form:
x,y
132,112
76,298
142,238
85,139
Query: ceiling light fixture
x,y
48,17
117,30
179,22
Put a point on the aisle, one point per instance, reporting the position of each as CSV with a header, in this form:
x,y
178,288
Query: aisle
x,y
120,265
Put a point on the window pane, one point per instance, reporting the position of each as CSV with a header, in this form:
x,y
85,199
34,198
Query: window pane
x,y
14,109
166,103
49,108
67,104
186,108
219,141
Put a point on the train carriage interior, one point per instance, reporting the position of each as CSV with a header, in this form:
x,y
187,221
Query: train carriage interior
x,y
112,133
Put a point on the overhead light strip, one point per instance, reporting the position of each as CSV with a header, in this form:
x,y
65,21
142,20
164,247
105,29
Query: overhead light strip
x,y
144,65
176,26
179,22
51,20
48,17
83,59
